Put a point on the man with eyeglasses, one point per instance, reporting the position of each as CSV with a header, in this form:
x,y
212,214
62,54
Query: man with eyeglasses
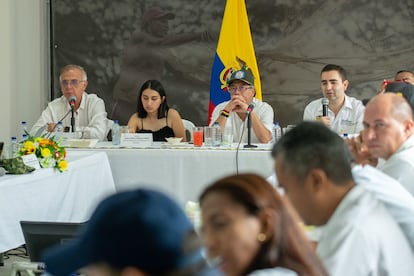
x,y
233,114
388,136
90,114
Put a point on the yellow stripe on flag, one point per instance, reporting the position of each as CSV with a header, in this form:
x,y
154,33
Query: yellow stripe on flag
x,y
235,41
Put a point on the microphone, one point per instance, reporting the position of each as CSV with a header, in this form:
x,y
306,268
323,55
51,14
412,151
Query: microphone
x,y
249,125
325,103
72,100
250,107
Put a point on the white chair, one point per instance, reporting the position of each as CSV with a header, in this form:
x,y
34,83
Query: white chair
x,y
188,125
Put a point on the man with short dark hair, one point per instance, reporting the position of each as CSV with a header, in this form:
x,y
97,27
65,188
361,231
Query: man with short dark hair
x,y
345,113
313,166
405,76
233,113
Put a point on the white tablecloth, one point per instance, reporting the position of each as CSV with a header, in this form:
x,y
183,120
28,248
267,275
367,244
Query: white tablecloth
x,y
183,172
48,195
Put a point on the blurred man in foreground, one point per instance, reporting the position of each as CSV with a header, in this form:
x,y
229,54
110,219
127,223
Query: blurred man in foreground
x,y
313,166
388,135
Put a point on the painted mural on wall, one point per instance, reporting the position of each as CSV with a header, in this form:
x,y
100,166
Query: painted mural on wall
x,y
125,42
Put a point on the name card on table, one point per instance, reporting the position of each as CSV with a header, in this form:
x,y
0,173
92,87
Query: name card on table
x,y
31,160
136,140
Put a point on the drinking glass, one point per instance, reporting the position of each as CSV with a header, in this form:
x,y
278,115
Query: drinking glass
x,y
227,137
198,136
209,136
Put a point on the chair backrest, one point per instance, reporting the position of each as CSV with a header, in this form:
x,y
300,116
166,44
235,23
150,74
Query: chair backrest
x,y
188,125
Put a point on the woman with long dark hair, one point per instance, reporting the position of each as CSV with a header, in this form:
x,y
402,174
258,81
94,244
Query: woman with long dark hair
x,y
154,115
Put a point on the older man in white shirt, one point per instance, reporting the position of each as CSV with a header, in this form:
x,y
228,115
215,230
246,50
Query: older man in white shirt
x,y
388,135
232,114
89,109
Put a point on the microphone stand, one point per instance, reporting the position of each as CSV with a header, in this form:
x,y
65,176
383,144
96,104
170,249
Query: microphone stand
x,y
249,132
53,129
72,119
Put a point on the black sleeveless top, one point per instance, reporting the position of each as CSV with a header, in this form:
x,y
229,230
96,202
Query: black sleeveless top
x,y
159,135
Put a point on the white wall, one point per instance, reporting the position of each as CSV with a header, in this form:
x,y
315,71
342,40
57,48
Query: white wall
x,y
24,71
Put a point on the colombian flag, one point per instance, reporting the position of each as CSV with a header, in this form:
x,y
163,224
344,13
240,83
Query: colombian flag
x,y
234,48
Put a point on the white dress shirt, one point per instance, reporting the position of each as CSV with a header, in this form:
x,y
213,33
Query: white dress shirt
x,y
400,165
90,118
348,120
361,238
263,110
398,201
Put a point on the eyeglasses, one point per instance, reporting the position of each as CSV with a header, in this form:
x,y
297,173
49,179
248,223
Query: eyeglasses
x,y
71,82
233,89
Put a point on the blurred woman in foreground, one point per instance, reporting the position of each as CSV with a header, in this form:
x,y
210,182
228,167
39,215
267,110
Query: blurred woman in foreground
x,y
249,229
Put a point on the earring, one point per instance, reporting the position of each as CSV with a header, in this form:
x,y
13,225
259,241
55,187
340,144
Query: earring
x,y
261,237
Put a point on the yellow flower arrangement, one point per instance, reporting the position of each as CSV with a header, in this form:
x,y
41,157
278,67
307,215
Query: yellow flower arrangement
x,y
49,153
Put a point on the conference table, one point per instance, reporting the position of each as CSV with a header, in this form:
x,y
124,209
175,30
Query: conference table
x,y
182,171
49,195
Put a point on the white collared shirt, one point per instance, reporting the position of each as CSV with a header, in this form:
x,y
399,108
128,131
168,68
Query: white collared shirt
x,y
361,238
348,120
263,110
398,201
90,118
400,165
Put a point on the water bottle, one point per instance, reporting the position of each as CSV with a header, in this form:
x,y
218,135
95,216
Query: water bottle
x,y
59,127
14,147
277,132
217,138
23,130
116,133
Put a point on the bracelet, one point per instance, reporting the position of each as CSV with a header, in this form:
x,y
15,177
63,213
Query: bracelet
x,y
225,113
